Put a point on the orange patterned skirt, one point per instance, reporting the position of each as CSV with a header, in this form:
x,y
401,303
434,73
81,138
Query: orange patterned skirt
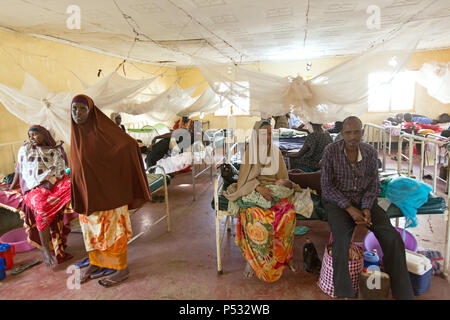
x,y
106,234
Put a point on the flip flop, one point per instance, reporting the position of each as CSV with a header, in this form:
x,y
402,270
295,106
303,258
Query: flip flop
x,y
83,263
24,267
301,230
101,273
87,277
108,283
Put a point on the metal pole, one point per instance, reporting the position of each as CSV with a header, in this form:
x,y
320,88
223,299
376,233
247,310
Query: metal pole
x,y
435,173
216,207
447,236
410,162
422,158
193,177
399,156
384,150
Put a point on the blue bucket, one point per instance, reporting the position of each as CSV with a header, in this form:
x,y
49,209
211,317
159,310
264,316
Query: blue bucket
x,y
2,268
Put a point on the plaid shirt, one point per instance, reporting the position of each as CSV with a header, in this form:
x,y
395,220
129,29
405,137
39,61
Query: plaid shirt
x,y
345,184
316,141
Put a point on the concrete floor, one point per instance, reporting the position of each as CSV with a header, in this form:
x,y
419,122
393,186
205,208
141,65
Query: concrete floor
x,y
182,264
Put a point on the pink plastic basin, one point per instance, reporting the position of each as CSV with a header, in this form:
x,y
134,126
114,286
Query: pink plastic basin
x,y
18,239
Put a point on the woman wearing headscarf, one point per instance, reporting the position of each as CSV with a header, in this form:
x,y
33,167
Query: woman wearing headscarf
x,y
40,171
108,179
309,156
117,118
264,236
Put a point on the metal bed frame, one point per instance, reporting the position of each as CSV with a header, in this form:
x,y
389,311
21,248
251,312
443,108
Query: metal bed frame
x,y
381,143
437,141
211,166
166,198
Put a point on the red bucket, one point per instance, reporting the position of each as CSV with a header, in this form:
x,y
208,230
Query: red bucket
x,y
7,252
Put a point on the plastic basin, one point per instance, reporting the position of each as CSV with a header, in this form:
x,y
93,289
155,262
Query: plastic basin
x,y
371,242
18,239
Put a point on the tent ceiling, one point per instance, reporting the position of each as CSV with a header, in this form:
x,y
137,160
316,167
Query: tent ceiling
x,y
244,30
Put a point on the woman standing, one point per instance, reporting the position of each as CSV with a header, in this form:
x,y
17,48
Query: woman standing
x,y
40,170
108,179
264,236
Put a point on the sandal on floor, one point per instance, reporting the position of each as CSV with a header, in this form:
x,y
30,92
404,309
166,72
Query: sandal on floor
x,y
87,277
101,273
83,263
108,283
24,267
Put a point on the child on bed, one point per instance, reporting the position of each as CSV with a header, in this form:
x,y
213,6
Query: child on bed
x,y
284,182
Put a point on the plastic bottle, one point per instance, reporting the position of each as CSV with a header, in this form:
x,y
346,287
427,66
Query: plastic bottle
x,y
371,259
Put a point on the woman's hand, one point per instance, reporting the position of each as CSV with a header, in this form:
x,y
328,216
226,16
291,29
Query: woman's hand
x,y
265,192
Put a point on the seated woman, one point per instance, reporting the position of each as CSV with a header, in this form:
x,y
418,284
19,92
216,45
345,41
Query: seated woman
x,y
264,236
308,158
40,169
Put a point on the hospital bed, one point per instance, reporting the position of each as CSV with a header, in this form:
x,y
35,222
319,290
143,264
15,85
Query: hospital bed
x,y
434,205
201,158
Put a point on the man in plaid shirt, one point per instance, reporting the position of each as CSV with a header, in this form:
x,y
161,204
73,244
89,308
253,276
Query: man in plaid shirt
x,y
350,186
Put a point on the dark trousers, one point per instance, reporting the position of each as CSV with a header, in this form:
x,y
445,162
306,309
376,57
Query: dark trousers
x,y
394,260
157,152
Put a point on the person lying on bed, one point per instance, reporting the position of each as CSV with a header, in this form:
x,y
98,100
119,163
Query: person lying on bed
x,y
264,236
40,170
158,150
108,179
337,128
350,186
309,156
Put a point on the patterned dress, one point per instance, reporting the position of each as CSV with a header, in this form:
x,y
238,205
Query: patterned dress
x,y
106,234
266,238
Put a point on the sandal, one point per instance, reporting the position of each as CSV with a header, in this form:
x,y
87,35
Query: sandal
x,y
83,263
101,273
108,283
87,276
24,267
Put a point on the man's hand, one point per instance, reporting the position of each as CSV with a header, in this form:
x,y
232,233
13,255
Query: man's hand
x,y
367,216
356,214
265,192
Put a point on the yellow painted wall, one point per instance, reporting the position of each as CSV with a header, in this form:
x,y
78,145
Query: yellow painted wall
x,y
50,62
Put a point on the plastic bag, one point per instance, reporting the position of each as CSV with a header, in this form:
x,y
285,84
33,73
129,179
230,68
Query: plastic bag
x,y
409,195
